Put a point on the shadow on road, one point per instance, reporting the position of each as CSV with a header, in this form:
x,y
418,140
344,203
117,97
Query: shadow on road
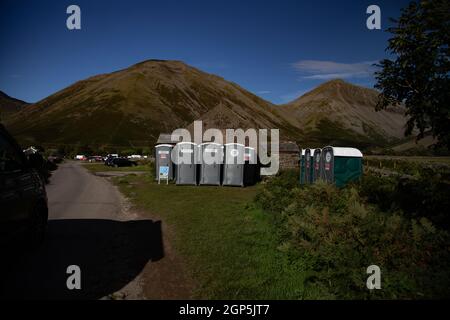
x,y
109,253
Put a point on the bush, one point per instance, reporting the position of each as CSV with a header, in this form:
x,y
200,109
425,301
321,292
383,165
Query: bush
x,y
337,236
425,196
275,196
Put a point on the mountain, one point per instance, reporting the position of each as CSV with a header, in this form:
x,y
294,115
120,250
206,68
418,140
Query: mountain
x,y
9,105
340,113
131,107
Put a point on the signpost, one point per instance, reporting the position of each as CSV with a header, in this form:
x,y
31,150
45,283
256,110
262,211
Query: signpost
x,y
163,174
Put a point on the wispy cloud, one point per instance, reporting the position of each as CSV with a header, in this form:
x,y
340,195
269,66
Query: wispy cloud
x,y
324,70
264,92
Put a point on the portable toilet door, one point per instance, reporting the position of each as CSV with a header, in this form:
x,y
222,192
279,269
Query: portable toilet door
x,y
233,167
341,165
163,159
185,159
211,160
308,167
302,167
316,165
250,166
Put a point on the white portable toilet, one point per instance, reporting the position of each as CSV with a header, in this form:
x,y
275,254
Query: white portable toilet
x,y
163,159
233,166
211,160
185,159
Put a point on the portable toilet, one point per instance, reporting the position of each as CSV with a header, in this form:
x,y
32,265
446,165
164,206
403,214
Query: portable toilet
x,y
341,165
302,167
307,172
233,166
185,159
211,160
163,159
316,165
250,166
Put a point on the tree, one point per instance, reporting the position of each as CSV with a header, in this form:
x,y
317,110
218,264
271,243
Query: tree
x,y
418,77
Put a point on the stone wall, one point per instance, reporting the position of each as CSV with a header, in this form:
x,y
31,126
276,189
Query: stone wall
x,y
289,160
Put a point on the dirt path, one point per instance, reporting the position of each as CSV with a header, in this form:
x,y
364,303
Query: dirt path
x,y
163,279
122,253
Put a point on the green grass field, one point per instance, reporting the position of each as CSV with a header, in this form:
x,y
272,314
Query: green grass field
x,y
230,245
420,159
100,167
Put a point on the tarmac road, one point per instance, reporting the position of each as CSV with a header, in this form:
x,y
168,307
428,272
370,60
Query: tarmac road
x,y
74,193
88,227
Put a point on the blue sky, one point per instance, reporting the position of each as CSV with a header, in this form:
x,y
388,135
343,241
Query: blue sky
x,y
276,49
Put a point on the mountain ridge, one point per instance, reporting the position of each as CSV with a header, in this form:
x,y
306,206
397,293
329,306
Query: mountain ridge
x,y
133,105
349,111
139,102
10,105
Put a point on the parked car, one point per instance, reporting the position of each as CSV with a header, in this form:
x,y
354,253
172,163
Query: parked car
x,y
122,162
80,157
135,157
55,158
23,198
96,159
108,159
111,155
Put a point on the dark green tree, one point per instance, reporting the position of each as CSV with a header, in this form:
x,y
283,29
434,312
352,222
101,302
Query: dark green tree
x,y
418,74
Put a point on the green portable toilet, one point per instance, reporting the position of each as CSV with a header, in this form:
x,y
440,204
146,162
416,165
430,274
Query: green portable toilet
x,y
305,166
302,166
316,165
341,165
305,174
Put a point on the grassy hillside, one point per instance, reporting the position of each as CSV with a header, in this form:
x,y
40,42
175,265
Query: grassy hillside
x,y
340,113
131,107
134,105
9,105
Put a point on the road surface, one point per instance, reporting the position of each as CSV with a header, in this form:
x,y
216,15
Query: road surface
x,y
90,227
74,193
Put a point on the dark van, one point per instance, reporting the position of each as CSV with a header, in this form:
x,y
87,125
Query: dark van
x,y
23,199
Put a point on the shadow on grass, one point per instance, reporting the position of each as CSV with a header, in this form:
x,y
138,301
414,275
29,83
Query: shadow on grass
x,y
109,253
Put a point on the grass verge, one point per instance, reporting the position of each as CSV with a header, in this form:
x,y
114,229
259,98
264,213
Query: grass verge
x,y
100,167
231,246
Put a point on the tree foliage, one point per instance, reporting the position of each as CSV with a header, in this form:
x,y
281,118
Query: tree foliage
x,y
418,74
